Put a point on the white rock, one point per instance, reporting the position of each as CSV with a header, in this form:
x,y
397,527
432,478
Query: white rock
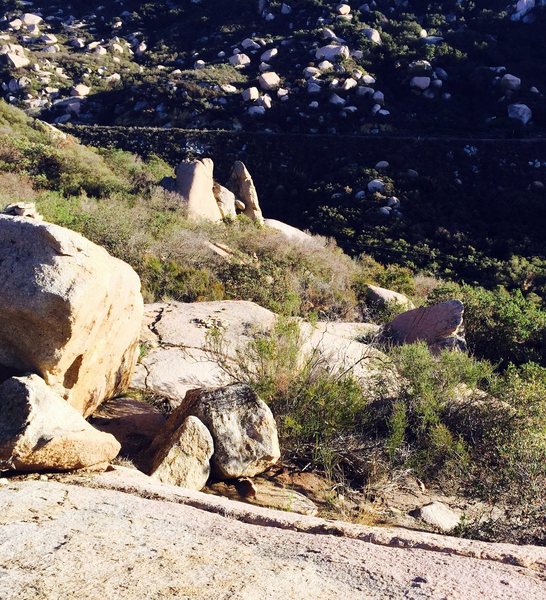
x,y
242,427
325,66
249,44
520,112
269,54
510,82
420,83
343,9
182,457
376,185
349,84
31,19
310,72
439,515
80,90
373,35
332,52
239,60
17,61
269,81
250,94
40,431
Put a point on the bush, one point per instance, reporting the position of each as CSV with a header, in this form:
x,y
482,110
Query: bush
x,y
417,421
317,409
500,326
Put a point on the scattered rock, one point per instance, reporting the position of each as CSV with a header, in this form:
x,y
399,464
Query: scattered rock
x,y
241,425
384,297
520,112
183,457
23,209
39,431
439,515
269,81
292,233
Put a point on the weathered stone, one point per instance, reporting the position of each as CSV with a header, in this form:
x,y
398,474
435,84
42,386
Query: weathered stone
x,y
69,311
239,60
242,185
17,61
510,82
80,90
520,112
440,326
23,209
135,535
269,81
331,52
183,457
225,199
40,431
250,94
439,515
420,83
194,182
292,233
184,355
383,297
241,425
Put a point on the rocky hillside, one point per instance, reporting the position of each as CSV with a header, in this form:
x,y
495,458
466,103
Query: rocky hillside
x,y
170,355
308,66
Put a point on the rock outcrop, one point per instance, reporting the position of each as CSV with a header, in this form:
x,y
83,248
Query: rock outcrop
x,y
69,312
195,182
289,232
190,346
184,456
139,538
226,201
242,185
40,431
242,427
440,326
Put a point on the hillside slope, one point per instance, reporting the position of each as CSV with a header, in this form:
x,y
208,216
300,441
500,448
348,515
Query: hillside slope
x,y
309,66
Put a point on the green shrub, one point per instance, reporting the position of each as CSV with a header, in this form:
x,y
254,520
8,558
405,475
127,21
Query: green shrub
x,y
420,431
317,410
500,326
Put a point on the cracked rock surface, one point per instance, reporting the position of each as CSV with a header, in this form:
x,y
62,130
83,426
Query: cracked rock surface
x,y
162,542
